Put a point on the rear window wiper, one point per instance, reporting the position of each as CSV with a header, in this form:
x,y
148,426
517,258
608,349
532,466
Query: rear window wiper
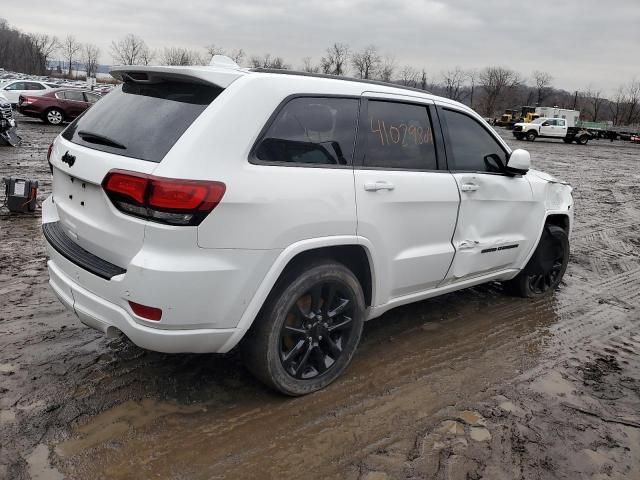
x,y
101,139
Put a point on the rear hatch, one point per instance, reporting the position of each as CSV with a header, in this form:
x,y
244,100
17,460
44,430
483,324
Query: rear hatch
x,y
132,128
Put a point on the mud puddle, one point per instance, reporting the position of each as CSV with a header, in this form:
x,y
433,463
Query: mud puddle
x,y
471,385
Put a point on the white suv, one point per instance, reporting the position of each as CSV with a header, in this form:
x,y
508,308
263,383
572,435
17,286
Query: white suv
x,y
197,207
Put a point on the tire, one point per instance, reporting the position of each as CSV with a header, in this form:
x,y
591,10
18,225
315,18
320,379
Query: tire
x,y
519,136
582,140
54,116
305,336
531,135
545,269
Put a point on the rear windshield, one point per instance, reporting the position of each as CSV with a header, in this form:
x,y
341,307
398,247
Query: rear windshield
x,y
141,120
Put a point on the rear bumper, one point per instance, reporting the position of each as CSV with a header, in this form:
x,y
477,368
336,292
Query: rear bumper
x,y
109,318
203,293
29,112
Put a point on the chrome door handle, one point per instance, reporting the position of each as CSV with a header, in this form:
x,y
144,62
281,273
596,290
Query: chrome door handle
x,y
375,186
469,187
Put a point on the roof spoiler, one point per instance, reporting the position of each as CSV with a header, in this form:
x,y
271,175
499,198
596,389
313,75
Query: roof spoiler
x,y
220,75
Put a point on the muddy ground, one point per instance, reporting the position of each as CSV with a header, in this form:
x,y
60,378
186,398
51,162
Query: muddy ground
x,y
471,385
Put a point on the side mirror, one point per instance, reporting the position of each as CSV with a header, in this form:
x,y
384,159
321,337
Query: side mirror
x,y
519,162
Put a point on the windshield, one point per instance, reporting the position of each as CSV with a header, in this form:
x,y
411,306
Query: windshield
x,y
142,121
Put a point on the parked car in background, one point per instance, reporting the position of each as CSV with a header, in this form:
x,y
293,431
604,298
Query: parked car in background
x,y
57,106
8,134
14,88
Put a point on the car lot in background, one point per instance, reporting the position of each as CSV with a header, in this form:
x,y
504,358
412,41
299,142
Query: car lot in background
x,y
57,106
14,88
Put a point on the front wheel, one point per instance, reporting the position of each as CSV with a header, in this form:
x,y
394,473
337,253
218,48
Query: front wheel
x,y
308,330
567,140
531,136
545,269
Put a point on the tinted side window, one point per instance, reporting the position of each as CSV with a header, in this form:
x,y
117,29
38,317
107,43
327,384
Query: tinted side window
x,y
74,95
398,135
34,86
91,98
16,86
471,144
312,130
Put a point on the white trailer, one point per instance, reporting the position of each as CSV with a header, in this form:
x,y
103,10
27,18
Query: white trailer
x,y
571,116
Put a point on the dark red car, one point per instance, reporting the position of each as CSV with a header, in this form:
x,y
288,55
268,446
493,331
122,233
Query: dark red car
x,y
57,106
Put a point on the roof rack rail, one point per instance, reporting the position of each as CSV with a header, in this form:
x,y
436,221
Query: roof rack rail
x,y
337,77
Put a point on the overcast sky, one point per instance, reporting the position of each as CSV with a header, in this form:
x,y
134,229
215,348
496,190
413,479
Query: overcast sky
x,y
582,43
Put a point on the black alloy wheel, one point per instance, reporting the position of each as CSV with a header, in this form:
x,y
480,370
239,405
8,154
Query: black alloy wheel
x,y
308,329
547,265
318,326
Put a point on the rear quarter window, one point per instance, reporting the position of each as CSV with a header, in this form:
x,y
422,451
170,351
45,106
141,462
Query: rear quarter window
x,y
142,121
311,131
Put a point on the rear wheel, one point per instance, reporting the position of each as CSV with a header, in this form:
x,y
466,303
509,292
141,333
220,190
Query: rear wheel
x,y
582,139
54,116
531,136
309,329
545,269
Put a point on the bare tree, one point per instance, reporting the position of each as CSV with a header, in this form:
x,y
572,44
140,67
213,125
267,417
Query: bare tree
x,y
472,75
46,45
267,61
497,82
70,49
453,83
543,81
129,50
617,105
90,54
237,55
633,99
213,49
367,62
409,76
594,100
147,56
180,56
334,63
423,80
387,68
309,66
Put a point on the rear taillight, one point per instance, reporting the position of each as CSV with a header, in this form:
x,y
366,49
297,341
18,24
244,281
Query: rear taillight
x,y
146,312
165,200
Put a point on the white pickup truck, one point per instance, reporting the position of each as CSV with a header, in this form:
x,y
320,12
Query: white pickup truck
x,y
551,128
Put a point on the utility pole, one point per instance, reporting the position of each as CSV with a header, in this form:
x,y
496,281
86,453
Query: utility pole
x,y
575,100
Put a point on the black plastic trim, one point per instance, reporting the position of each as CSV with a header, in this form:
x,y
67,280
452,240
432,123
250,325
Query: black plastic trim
x,y
336,77
73,252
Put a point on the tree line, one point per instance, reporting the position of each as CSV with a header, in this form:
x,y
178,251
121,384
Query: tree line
x,y
489,90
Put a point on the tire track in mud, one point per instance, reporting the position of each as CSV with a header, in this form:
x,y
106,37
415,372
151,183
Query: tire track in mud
x,y
413,362
368,402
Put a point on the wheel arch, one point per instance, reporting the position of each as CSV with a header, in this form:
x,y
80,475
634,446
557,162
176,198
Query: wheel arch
x,y
354,252
560,219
